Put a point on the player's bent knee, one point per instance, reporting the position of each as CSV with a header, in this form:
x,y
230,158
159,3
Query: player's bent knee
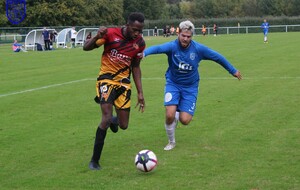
x,y
123,124
185,121
124,127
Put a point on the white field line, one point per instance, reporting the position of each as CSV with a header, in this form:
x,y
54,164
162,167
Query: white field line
x,y
155,78
41,88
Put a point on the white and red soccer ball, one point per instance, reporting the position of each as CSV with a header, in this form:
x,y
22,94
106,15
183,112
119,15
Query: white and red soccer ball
x,y
145,160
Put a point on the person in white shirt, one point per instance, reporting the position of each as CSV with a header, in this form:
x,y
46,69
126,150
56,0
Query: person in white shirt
x,y
73,36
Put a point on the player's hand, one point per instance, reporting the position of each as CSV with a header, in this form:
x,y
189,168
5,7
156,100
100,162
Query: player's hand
x,y
141,55
101,31
140,103
238,75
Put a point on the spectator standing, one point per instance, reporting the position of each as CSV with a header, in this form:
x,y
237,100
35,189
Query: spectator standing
x,y
73,36
165,31
203,30
172,30
168,31
46,36
155,31
53,35
89,36
177,30
215,30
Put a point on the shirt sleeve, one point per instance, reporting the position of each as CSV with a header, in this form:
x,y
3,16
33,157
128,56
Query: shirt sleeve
x,y
158,49
212,55
100,42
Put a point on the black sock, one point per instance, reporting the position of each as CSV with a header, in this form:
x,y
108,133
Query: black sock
x,y
114,120
99,143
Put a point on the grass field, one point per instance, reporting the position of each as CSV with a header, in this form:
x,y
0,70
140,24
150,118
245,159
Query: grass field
x,y
244,136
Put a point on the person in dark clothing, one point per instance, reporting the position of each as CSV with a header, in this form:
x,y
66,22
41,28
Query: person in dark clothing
x,y
52,38
215,30
46,36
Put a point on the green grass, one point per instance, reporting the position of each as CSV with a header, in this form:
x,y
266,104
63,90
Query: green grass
x,y
244,135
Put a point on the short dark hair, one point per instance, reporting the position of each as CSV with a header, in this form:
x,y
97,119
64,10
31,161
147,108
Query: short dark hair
x,y
136,16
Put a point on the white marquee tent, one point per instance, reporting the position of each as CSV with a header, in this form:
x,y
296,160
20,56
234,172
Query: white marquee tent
x,y
82,34
63,38
34,37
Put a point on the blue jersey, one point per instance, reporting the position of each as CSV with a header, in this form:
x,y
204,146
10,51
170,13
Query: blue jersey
x,y
265,26
184,62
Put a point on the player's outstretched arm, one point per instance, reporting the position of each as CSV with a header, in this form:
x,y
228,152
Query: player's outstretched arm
x,y
238,75
137,74
91,43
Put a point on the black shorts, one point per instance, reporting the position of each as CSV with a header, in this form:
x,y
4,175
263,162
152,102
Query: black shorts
x,y
114,93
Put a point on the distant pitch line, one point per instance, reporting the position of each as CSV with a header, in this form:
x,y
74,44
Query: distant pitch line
x,y
151,78
41,88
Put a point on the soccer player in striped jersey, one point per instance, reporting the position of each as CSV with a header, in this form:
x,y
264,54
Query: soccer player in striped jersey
x,y
182,76
121,57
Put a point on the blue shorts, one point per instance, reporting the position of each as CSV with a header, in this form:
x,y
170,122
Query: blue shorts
x,y
184,98
266,32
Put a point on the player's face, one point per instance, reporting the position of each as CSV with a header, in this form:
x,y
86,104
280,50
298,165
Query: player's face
x,y
134,29
185,38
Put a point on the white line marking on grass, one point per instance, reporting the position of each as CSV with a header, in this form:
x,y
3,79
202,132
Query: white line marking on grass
x,y
152,78
230,78
266,78
43,87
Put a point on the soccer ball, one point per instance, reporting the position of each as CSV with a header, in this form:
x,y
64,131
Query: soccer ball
x,y
145,160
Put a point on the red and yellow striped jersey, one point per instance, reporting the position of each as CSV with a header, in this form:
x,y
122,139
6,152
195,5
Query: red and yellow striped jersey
x,y
118,54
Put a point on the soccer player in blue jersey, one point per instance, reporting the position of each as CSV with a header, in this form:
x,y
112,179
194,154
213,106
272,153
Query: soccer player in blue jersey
x,y
182,76
265,26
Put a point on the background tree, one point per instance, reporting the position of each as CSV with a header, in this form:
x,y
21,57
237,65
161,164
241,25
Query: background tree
x,y
3,19
54,13
106,12
268,7
203,9
186,8
251,8
172,10
152,9
288,7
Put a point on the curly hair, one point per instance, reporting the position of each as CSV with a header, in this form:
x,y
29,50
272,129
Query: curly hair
x,y
136,16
